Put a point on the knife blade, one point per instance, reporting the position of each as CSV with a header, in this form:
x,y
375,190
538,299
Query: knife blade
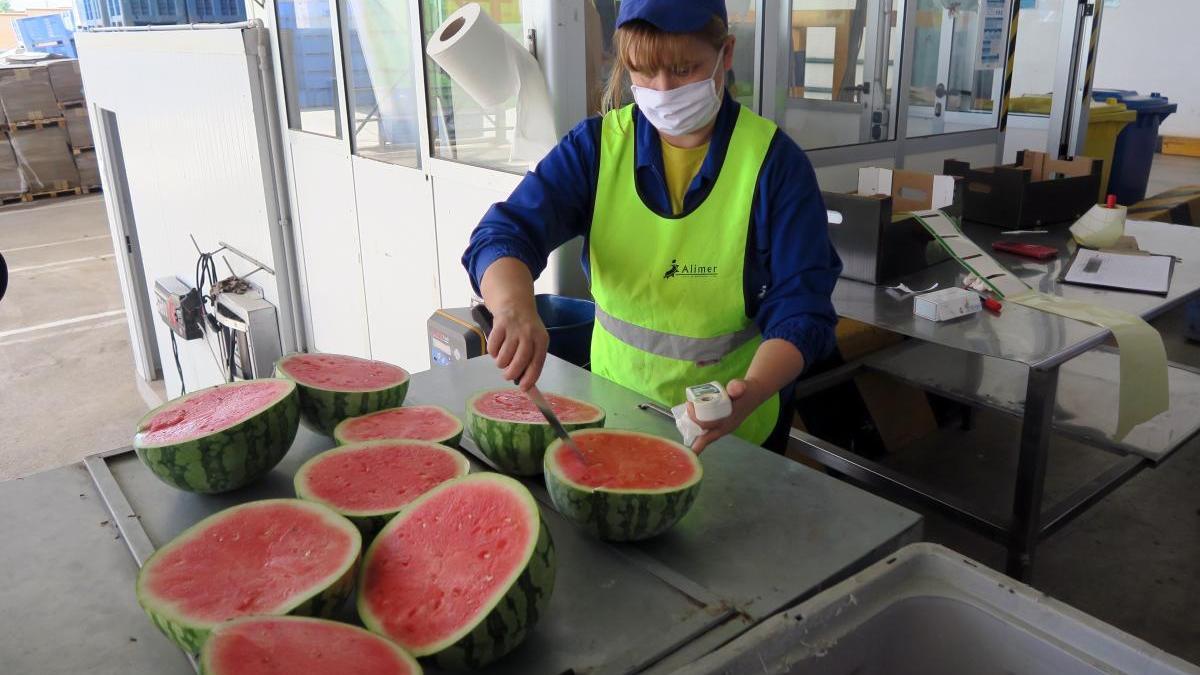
x,y
484,317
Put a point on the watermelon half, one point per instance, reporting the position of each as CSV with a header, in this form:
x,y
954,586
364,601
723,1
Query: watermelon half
x,y
292,645
334,387
511,431
419,423
370,482
269,557
221,438
462,574
634,485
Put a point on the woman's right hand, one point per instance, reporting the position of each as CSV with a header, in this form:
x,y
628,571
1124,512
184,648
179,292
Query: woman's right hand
x,y
519,341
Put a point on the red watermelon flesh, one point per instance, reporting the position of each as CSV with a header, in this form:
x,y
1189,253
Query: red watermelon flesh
x,y
513,405
429,575
380,476
212,410
336,372
301,646
253,561
418,422
618,461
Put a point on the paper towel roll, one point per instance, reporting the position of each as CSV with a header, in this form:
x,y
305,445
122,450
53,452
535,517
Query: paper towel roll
x,y
476,52
492,67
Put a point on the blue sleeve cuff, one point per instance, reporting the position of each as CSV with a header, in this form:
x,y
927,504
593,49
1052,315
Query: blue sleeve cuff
x,y
484,258
814,338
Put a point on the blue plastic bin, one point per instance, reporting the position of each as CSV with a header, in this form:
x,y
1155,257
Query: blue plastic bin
x,y
1134,152
146,12
47,33
569,322
216,11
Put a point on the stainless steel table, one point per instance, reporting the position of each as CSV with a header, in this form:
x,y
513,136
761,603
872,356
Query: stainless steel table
x,y
1054,373
764,534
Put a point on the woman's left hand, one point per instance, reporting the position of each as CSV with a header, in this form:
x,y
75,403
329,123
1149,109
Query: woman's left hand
x,y
744,399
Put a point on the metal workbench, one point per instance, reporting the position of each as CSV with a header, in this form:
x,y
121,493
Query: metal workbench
x,y
764,534
1057,374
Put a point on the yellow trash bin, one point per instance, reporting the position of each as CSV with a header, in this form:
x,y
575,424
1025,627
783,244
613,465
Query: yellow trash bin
x,y
1105,122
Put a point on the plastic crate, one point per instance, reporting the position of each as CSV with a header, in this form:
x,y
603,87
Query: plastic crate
x,y
216,11
91,13
47,33
147,12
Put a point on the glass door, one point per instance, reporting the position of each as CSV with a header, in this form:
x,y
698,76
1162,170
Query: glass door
x,y
838,69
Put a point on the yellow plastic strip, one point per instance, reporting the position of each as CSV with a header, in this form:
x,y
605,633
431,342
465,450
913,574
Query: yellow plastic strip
x,y
1144,392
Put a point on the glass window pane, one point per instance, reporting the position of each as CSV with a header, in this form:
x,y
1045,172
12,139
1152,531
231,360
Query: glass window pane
x,y
460,129
380,78
957,66
309,81
842,65
1038,35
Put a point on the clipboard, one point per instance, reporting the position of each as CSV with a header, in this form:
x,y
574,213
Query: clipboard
x,y
1131,272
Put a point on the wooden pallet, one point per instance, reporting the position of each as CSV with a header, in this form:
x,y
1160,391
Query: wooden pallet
x,y
50,194
90,189
79,151
14,199
67,105
37,124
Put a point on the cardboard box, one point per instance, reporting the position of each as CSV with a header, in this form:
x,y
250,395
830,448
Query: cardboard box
x,y
89,169
1035,192
12,182
874,239
79,128
1180,206
45,158
25,93
65,80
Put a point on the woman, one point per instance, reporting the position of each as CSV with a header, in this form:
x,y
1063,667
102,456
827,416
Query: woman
x,y
705,238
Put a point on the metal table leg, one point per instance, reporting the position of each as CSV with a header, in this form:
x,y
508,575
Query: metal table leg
x,y
1025,527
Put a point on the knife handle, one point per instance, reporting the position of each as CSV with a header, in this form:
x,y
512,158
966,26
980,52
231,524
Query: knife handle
x,y
483,316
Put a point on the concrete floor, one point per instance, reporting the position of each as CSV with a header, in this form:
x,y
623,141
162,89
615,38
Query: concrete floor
x,y
67,388
67,384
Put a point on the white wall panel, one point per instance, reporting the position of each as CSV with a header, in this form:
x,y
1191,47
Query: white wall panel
x,y
399,257
184,102
461,195
323,185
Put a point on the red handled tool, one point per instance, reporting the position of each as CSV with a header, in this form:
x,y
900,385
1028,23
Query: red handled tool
x,y
1035,251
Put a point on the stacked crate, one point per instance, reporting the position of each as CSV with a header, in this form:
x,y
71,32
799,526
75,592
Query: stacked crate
x,y
36,131
67,83
48,149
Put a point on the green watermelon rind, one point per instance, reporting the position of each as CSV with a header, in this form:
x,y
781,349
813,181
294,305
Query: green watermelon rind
x,y
323,409
339,433
621,515
207,667
228,459
369,523
505,621
322,600
518,448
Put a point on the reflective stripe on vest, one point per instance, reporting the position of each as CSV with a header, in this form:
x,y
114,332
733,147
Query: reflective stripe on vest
x,y
681,347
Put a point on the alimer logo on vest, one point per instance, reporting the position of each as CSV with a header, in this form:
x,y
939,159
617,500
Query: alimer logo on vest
x,y
677,270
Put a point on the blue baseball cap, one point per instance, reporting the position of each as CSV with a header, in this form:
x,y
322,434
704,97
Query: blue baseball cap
x,y
673,16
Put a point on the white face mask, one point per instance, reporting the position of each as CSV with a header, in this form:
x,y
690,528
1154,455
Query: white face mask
x,y
682,110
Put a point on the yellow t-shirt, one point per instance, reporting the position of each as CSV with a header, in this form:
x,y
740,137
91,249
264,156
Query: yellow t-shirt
x,y
681,166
